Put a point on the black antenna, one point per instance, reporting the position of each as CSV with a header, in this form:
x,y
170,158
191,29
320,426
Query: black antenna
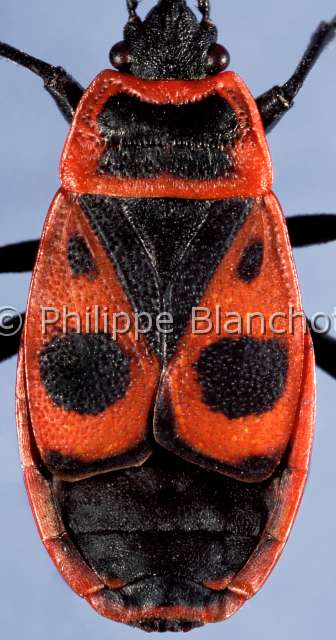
x,y
204,7
132,6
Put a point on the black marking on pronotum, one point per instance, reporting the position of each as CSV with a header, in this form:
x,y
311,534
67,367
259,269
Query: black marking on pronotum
x,y
86,373
196,238
80,258
243,377
166,518
250,264
254,468
147,140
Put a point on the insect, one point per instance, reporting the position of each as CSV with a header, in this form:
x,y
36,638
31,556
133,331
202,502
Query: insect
x,y
165,472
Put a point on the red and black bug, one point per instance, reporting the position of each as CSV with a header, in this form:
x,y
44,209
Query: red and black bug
x,y
165,472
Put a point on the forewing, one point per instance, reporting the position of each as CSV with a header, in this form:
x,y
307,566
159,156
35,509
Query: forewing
x,y
90,390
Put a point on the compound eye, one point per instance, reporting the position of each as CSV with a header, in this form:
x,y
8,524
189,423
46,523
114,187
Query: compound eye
x,y
218,59
120,56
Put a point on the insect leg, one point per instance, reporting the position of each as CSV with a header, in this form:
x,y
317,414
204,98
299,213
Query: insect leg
x,y
303,232
204,8
66,91
312,229
10,339
17,258
325,352
273,104
132,6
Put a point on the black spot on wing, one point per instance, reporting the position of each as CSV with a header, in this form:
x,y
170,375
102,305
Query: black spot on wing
x,y
243,377
251,262
85,373
80,258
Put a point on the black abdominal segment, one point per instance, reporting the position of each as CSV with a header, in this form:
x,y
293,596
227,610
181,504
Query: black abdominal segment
x,y
243,377
166,519
146,140
85,373
158,625
165,251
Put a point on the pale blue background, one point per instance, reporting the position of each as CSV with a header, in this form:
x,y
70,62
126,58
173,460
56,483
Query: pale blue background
x,y
265,39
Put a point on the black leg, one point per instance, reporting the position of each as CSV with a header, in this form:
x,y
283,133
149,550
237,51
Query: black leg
x,y
66,91
277,101
204,7
305,231
132,6
9,344
325,352
17,258
314,229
